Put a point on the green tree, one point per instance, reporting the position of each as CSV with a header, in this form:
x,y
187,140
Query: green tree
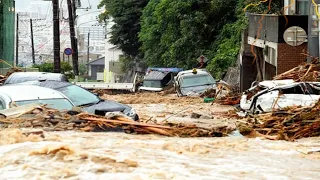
x,y
256,6
126,16
66,68
176,33
227,46
83,69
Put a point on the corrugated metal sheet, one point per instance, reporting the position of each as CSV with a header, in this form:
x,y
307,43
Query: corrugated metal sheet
x,y
7,31
155,75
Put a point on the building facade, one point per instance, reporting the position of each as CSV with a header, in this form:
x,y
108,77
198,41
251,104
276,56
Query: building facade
x,y
112,71
277,43
7,29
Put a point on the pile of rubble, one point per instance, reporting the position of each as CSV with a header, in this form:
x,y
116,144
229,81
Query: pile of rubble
x,y
286,124
227,95
53,120
224,94
290,123
306,72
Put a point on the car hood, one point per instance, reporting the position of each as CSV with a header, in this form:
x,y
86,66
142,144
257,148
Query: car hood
x,y
196,90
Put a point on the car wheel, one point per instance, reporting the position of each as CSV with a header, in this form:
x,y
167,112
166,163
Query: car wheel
x,y
136,117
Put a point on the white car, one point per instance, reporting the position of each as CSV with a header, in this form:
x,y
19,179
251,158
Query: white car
x,y
267,96
30,94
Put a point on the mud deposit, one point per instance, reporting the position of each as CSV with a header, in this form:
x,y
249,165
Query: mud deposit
x,y
152,98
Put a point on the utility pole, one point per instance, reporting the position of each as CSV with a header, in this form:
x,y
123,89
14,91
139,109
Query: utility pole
x,y
313,31
32,44
74,44
88,53
88,49
56,36
17,41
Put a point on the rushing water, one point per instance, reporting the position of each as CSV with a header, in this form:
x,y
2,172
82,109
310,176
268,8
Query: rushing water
x,y
74,155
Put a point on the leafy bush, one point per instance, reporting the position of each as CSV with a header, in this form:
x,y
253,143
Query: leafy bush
x,y
66,68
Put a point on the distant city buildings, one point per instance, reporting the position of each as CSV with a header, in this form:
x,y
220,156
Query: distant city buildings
x,y
86,22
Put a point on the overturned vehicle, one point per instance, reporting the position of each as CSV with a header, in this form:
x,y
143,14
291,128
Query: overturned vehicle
x,y
157,79
267,96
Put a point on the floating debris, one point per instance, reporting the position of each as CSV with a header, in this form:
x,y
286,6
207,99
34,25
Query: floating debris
x,y
53,120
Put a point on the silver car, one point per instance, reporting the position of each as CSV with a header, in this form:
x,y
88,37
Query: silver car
x,y
88,101
20,77
30,94
193,82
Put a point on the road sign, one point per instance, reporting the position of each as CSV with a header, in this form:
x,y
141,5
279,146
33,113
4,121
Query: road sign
x,y
68,51
202,59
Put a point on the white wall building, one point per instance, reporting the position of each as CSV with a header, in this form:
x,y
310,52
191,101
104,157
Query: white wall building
x,y
112,72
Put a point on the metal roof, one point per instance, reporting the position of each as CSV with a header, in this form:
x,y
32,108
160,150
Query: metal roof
x,y
97,62
155,75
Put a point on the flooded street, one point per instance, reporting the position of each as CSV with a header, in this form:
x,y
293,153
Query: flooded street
x,y
116,155
111,155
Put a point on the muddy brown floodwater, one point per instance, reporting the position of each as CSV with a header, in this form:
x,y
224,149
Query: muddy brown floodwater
x,y
76,155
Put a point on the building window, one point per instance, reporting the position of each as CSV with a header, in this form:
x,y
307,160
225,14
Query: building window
x,y
302,7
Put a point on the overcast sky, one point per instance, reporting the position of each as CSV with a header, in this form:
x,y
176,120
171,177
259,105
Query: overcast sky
x,y
45,8
42,6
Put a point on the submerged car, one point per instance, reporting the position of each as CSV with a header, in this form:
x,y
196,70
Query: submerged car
x,y
156,79
88,101
267,96
11,96
20,77
193,82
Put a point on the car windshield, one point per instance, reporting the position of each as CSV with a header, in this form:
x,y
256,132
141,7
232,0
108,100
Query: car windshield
x,y
197,80
78,95
152,83
60,104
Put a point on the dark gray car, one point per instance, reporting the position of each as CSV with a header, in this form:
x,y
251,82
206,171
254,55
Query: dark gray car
x,y
87,100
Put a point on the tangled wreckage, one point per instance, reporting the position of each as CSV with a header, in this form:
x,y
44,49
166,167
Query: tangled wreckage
x,y
37,116
286,108
270,95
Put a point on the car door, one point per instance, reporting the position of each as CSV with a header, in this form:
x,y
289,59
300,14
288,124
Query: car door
x,y
282,98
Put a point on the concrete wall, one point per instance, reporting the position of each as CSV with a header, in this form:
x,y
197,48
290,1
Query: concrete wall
x,y
94,69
